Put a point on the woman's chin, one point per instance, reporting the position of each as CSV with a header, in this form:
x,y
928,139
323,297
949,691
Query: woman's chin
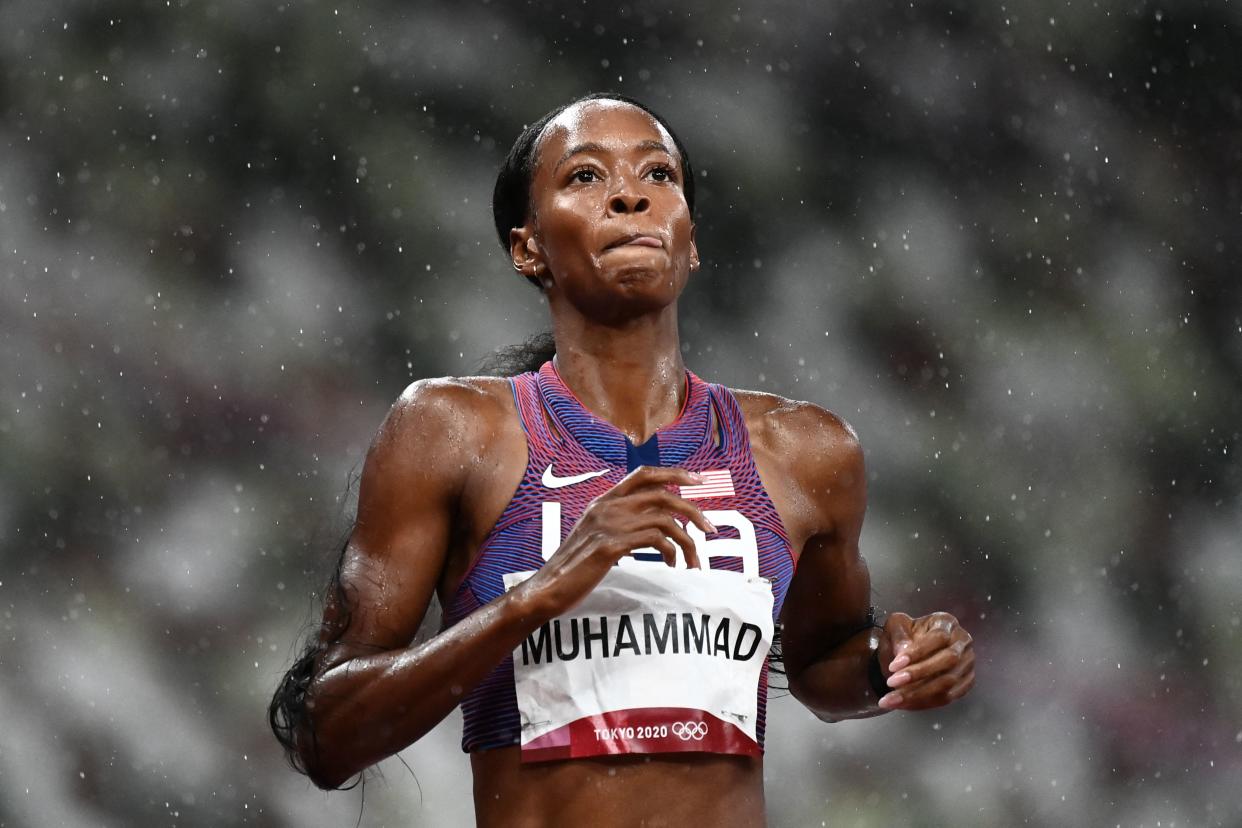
x,y
637,276
650,286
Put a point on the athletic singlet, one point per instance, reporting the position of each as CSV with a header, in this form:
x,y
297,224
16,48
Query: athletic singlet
x,y
573,457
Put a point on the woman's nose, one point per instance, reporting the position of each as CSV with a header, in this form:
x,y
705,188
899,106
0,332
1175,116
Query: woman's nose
x,y
627,202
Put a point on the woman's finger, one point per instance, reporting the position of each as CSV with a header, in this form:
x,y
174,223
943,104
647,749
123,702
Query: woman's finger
x,y
674,530
941,661
665,527
656,539
645,476
934,692
927,635
666,501
899,630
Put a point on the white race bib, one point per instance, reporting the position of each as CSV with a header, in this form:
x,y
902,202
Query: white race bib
x,y
654,660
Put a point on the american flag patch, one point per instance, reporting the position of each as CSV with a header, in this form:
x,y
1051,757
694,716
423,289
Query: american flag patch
x,y
717,483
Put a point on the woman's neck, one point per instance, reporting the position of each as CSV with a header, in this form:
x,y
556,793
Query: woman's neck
x,y
631,376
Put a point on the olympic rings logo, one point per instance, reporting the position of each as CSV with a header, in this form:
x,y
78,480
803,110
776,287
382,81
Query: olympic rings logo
x,y
690,730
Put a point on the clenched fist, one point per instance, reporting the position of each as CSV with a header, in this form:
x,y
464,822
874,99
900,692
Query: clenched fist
x,y
928,661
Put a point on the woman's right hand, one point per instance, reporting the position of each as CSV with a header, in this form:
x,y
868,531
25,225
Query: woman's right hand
x,y
635,514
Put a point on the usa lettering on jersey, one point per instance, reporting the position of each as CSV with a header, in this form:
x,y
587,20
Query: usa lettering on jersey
x,y
743,547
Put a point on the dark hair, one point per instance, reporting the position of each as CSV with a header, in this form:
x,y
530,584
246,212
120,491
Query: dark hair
x,y
510,360
511,195
288,713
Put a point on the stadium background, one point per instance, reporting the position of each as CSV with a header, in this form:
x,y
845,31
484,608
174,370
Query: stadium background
x,y
1001,240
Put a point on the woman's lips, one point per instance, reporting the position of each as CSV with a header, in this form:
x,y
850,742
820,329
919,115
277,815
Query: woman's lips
x,y
636,241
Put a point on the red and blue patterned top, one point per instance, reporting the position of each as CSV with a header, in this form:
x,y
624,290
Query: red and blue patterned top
x,y
566,441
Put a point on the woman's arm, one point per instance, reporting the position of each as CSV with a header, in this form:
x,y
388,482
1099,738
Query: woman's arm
x,y
825,635
372,694
827,631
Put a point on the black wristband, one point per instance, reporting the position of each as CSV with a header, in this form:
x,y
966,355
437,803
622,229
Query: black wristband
x,y
879,684
876,674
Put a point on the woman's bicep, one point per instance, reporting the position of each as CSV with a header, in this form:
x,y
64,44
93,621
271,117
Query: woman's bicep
x,y
384,587
396,553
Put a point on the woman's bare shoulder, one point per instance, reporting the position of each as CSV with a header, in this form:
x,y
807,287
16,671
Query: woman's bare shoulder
x,y
813,459
460,415
780,424
445,395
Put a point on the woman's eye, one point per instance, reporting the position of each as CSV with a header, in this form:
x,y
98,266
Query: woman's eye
x,y
584,176
661,174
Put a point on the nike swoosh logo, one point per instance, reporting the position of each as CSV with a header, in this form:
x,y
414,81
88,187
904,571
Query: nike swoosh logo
x,y
551,481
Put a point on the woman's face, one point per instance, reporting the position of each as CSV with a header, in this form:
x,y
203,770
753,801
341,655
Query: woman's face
x,y
609,229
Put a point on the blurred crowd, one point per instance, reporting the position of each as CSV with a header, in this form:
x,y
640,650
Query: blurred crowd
x,y
1002,241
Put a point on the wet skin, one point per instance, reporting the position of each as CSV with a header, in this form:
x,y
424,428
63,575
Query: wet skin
x,y
611,241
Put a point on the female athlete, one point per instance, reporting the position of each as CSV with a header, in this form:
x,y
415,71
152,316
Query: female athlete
x,y
665,527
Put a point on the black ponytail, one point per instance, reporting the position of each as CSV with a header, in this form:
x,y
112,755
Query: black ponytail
x,y
289,714
511,360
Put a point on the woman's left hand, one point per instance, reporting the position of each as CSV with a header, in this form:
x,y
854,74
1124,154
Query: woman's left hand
x,y
929,661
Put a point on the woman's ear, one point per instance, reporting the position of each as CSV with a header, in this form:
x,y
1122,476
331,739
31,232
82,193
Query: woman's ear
x,y
694,252
524,251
